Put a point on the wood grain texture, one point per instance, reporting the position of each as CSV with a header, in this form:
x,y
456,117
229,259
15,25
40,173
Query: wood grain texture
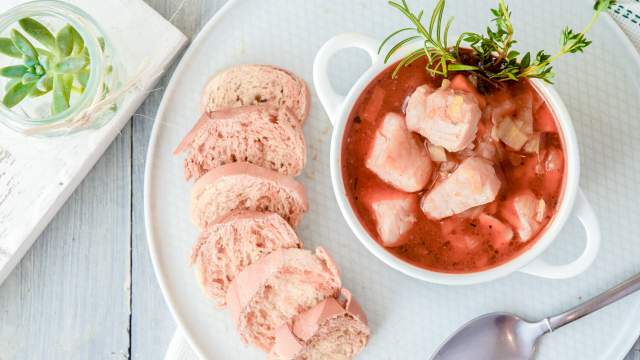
x,y
67,298
71,297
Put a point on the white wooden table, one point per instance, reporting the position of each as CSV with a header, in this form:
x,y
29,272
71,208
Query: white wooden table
x,y
86,290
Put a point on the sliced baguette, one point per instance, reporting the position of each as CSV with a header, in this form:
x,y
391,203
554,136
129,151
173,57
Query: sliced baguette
x,y
334,329
240,239
256,84
278,287
262,135
244,186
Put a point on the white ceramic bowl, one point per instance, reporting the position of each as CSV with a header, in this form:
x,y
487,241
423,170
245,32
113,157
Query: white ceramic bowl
x,y
572,203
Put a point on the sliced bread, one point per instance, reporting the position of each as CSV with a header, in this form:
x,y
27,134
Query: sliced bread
x,y
256,84
244,186
278,287
334,329
262,135
240,239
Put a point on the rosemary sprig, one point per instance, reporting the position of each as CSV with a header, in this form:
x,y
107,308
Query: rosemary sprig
x,y
435,46
493,57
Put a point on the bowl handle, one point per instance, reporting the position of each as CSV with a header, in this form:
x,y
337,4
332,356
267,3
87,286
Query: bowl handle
x,y
330,99
584,212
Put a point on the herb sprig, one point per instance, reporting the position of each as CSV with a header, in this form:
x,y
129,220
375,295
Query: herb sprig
x,y
493,58
60,67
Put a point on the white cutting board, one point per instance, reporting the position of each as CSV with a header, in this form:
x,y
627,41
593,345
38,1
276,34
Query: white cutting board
x,y
410,318
37,175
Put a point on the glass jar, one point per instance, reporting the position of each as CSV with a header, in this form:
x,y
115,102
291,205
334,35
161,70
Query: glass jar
x,y
88,109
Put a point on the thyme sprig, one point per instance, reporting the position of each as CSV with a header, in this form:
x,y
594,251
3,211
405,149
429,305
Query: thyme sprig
x,y
494,58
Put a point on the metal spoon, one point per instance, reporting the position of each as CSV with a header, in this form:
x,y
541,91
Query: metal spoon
x,y
503,336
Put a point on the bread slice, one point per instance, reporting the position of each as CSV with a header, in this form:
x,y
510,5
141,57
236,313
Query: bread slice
x,y
244,186
262,135
334,329
278,287
240,239
256,84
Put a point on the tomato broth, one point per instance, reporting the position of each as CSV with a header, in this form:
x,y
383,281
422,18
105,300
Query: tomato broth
x,y
484,236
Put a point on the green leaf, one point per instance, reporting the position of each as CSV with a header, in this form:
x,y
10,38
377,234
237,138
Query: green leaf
x,y
24,45
7,48
78,42
42,52
83,77
10,84
101,43
64,41
461,67
38,32
45,83
526,60
602,5
14,71
70,65
29,77
30,62
38,93
17,93
61,94
39,70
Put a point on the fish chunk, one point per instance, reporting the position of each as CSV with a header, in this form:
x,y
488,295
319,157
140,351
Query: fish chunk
x,y
446,117
522,211
397,158
473,183
395,213
501,233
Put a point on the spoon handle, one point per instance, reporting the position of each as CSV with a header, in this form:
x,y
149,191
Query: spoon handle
x,y
616,293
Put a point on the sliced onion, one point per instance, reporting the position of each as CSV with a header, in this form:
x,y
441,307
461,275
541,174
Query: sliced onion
x,y
540,210
437,153
510,134
524,114
533,144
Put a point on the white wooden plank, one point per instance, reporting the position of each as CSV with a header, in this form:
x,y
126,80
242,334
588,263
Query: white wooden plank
x,y
38,175
67,297
152,325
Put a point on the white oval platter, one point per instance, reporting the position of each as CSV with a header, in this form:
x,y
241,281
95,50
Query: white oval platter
x,y
410,318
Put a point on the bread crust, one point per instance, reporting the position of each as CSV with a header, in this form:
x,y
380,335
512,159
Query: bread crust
x,y
254,84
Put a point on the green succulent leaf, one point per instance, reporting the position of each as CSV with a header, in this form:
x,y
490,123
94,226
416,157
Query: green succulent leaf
x,y
45,83
38,32
29,77
78,42
61,95
17,93
14,71
42,52
24,46
39,70
64,41
83,77
35,93
7,48
70,65
30,62
10,84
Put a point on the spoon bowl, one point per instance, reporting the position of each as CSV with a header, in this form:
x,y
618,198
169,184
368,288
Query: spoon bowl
x,y
504,336
494,336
